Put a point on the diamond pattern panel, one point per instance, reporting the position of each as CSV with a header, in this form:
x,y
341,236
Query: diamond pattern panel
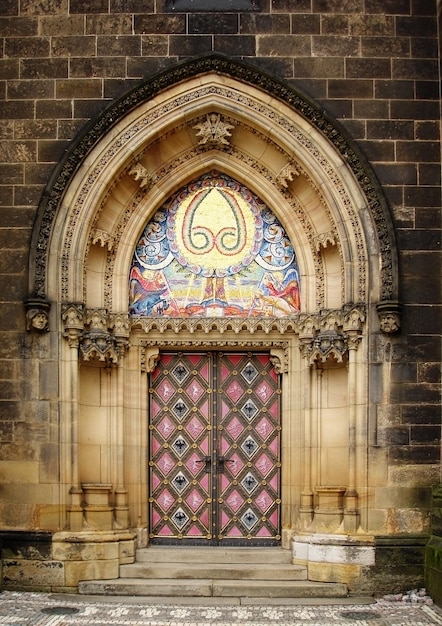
x,y
249,487
180,440
215,449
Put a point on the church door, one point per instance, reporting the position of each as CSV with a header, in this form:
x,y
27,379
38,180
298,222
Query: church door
x,y
214,446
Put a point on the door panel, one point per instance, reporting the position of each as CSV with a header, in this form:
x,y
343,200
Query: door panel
x,y
215,449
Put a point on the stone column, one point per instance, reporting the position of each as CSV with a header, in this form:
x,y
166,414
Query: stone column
x,y
306,505
352,326
72,316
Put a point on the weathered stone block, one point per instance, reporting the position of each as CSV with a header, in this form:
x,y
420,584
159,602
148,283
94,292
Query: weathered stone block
x,y
334,6
183,45
89,570
357,88
376,25
44,68
390,7
306,24
23,110
157,24
71,46
335,24
103,66
67,551
108,25
287,6
390,129
244,45
416,26
9,68
394,174
62,25
319,67
32,574
31,7
283,45
132,6
51,151
370,109
79,88
27,47
334,46
119,45
394,89
19,26
53,109
407,109
385,47
201,23
154,45
256,23
89,6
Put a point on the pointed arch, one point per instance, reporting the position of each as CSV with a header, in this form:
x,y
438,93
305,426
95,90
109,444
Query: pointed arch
x,y
288,149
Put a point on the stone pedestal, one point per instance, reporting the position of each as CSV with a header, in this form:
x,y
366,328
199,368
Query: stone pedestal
x,y
98,512
329,511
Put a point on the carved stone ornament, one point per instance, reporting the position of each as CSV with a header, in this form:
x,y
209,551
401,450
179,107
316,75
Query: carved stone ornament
x,y
37,315
98,336
288,173
325,239
149,358
328,336
150,351
103,239
140,174
389,313
328,346
213,131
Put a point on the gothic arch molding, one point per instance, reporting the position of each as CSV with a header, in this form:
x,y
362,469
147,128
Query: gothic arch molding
x,y
306,151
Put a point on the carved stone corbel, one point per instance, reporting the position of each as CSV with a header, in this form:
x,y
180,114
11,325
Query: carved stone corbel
x,y
279,360
37,314
149,358
328,345
119,323
72,316
97,343
389,313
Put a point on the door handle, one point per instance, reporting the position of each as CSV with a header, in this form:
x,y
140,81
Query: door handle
x,y
208,463
221,463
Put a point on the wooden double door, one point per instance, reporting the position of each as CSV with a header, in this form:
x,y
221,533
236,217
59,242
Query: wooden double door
x,y
214,449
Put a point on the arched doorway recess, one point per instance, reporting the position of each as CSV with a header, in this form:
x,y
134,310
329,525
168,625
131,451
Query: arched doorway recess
x,y
213,114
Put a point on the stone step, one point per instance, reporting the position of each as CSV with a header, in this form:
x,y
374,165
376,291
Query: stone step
x,y
186,570
212,588
197,554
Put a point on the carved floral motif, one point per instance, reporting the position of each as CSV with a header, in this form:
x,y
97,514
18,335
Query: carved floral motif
x,y
214,131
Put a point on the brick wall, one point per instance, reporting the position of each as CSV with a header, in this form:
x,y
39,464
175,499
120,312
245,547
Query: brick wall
x,y
373,64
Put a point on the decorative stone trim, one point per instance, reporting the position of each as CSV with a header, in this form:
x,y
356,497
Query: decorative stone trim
x,y
279,351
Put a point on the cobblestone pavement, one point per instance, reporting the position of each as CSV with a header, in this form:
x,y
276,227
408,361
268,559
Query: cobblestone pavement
x,y
39,609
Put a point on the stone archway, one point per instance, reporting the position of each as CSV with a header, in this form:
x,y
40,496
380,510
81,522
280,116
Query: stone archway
x,y
212,113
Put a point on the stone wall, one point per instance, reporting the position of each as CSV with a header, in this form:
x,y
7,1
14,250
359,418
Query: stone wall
x,y
373,65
